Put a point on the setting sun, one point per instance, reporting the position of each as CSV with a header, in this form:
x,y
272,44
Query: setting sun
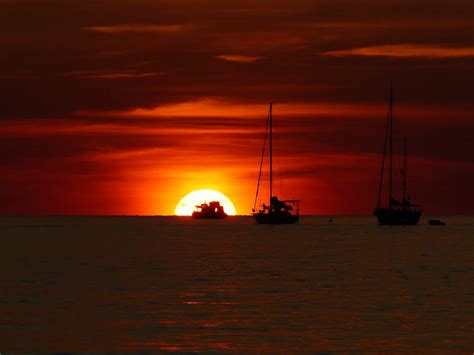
x,y
186,205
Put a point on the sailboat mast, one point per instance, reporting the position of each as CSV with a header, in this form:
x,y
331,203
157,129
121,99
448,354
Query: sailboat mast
x,y
391,147
405,169
382,168
261,164
271,155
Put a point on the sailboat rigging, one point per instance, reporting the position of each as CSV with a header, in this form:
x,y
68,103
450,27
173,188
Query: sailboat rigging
x,y
397,213
278,211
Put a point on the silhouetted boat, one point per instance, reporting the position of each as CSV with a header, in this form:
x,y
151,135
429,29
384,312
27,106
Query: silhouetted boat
x,y
278,211
213,210
398,212
436,222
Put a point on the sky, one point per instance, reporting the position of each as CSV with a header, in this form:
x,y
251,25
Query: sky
x,y
124,107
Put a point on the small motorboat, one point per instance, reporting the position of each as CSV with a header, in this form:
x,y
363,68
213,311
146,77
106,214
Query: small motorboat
x,y
436,222
213,210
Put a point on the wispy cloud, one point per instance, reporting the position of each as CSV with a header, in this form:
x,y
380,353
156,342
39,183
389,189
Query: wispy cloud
x,y
405,51
220,108
18,76
238,58
137,28
123,75
111,75
211,110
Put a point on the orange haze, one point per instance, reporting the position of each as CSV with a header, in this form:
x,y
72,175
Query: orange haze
x,y
123,107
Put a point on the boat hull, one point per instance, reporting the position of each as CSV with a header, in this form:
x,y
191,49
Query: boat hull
x,y
436,222
394,217
199,215
276,218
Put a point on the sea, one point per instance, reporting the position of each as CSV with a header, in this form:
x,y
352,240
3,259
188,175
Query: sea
x,y
174,284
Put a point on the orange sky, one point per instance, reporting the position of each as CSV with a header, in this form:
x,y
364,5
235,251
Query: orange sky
x,y
121,107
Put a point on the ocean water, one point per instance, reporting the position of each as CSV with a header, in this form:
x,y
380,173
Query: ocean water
x,y
175,284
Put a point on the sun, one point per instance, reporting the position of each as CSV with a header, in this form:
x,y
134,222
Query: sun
x,y
185,206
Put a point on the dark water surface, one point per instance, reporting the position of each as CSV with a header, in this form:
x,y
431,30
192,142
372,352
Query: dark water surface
x,y
165,283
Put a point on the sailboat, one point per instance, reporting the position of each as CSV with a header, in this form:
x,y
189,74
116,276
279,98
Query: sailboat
x,y
277,211
398,212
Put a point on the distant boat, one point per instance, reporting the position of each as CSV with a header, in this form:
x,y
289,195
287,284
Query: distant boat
x,y
436,222
213,210
278,211
398,212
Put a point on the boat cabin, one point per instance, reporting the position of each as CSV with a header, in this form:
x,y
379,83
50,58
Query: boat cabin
x,y
213,210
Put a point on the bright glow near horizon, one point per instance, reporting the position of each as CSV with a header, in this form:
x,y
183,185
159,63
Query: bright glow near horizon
x,y
186,205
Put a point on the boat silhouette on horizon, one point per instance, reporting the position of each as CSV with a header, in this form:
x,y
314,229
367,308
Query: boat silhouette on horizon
x,y
402,212
213,210
277,211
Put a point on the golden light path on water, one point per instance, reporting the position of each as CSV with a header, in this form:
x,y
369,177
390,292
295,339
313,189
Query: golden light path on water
x,y
186,205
